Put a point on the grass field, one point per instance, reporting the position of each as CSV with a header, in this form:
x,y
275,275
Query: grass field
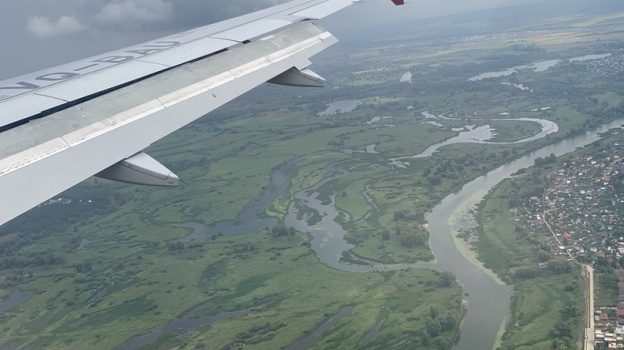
x,y
540,307
501,245
137,293
605,289
512,130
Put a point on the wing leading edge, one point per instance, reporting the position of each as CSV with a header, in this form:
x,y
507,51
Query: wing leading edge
x,y
95,116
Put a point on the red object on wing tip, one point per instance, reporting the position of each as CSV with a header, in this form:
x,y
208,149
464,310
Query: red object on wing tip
x,y
398,2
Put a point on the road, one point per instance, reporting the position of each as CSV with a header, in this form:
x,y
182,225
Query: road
x,y
572,258
588,271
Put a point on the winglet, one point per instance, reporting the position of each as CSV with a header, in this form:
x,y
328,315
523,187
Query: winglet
x,y
398,2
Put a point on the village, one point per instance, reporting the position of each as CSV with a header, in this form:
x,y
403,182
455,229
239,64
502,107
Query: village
x,y
579,218
612,65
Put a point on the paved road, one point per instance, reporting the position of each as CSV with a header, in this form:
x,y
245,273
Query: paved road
x,y
589,332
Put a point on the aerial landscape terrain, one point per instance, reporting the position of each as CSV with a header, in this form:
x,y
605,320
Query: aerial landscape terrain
x,y
458,186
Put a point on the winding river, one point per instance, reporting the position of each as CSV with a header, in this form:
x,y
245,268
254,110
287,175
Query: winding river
x,y
481,134
540,66
488,299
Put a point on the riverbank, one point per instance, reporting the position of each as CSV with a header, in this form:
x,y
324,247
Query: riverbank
x,y
560,293
551,180
462,220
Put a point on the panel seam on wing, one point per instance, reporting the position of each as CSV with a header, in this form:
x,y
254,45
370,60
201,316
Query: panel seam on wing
x,y
92,131
44,150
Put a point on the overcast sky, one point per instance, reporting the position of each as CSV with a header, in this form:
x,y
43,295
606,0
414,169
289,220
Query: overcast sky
x,y
38,34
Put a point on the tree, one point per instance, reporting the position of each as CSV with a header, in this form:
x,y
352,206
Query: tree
x,y
543,256
527,272
433,312
559,266
84,267
385,235
282,230
425,339
447,321
433,327
561,344
570,310
433,180
563,329
447,280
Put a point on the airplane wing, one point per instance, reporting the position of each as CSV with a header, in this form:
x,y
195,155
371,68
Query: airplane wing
x,y
94,116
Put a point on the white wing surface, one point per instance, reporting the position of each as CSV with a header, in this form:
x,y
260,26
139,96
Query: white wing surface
x,y
92,117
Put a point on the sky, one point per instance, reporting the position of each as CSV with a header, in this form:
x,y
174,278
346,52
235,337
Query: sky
x,y
39,34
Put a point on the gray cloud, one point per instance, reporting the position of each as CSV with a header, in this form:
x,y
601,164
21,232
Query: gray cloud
x,y
196,13
43,27
39,38
135,12
99,26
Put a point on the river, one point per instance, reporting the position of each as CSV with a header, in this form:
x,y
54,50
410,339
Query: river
x,y
540,66
488,299
342,106
481,134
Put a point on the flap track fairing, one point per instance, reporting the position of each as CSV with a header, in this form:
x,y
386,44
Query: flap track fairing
x,y
296,77
140,169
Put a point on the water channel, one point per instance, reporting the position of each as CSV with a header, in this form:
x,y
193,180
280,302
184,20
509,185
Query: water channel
x,y
181,326
342,106
481,134
488,300
14,301
248,220
540,66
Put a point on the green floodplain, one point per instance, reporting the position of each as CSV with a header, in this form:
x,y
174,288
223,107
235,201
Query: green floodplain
x,y
543,301
547,305
103,265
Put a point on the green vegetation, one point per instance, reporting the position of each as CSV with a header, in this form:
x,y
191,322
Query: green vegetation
x,y
547,301
503,244
605,289
512,130
547,295
108,266
546,313
125,294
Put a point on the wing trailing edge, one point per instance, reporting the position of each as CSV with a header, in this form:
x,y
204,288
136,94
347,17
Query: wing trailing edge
x,y
71,145
95,116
